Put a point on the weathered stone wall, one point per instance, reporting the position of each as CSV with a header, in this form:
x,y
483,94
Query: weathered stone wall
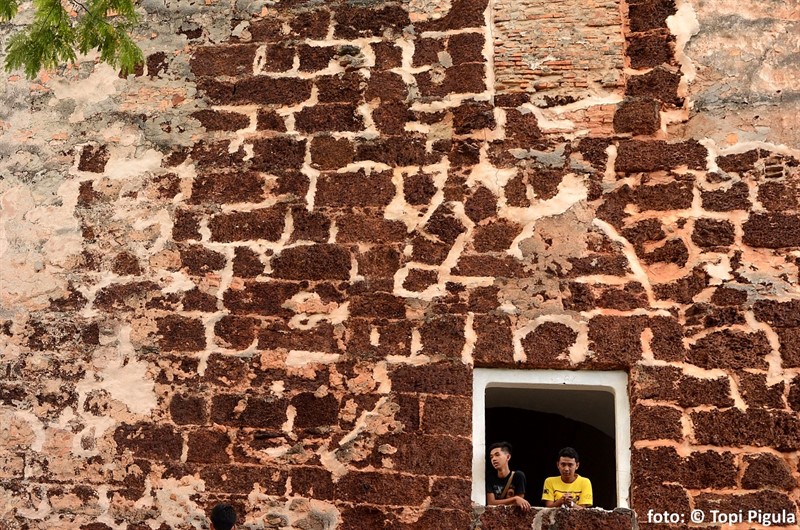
x,y
559,50
262,270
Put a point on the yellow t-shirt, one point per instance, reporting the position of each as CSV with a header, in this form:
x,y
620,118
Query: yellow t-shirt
x,y
581,489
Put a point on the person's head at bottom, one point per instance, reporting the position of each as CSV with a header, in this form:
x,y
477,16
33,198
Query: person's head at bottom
x,y
223,517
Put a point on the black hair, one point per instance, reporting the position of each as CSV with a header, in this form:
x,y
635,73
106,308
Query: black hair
x,y
505,446
223,517
569,452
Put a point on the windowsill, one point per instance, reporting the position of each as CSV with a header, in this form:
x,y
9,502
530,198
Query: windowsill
x,y
540,518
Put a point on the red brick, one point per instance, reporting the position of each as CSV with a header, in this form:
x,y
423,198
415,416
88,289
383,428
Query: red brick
x,y
145,440
236,332
188,409
638,116
179,333
269,120
734,198
226,59
377,305
93,159
259,90
386,86
259,411
218,188
766,470
276,335
208,446
328,118
616,341
753,427
712,233
772,230
757,393
199,260
493,346
315,411
278,154
444,336
730,349
659,83
656,423
462,79
439,378
693,392
240,480
369,228
651,49
246,263
394,151
354,189
341,88
769,502
312,262
505,267
264,223
355,22
261,298
216,155
379,262
462,14
215,120
548,345
311,24
314,58
447,415
466,48
387,55
331,153
437,455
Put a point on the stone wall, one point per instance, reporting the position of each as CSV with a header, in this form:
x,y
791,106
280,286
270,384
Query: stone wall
x,y
262,270
561,51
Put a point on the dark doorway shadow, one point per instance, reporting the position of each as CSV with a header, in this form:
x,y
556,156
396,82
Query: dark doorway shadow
x,y
537,437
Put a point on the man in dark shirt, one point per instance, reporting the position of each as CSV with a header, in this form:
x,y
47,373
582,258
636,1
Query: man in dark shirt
x,y
223,517
505,487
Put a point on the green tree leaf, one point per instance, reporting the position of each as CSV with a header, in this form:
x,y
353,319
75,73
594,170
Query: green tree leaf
x,y
54,36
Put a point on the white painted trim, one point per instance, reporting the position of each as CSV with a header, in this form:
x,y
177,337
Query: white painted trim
x,y
616,383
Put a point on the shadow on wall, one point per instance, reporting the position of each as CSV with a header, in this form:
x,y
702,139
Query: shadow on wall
x,y
536,438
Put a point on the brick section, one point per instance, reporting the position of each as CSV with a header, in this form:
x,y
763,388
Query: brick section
x,y
252,411
177,333
157,442
382,488
776,230
767,470
656,423
315,262
637,116
188,409
243,226
730,349
217,188
640,156
758,427
440,378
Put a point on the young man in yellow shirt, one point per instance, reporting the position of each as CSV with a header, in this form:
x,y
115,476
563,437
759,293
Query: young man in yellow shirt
x,y
569,489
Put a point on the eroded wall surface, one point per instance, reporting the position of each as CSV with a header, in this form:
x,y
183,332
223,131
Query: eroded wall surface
x,y
262,269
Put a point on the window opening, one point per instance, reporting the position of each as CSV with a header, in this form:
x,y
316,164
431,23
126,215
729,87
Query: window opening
x,y
541,411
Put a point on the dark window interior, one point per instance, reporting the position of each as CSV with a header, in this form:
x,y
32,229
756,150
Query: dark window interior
x,y
538,422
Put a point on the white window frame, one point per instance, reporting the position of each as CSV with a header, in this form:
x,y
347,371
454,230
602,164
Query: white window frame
x,y
615,383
